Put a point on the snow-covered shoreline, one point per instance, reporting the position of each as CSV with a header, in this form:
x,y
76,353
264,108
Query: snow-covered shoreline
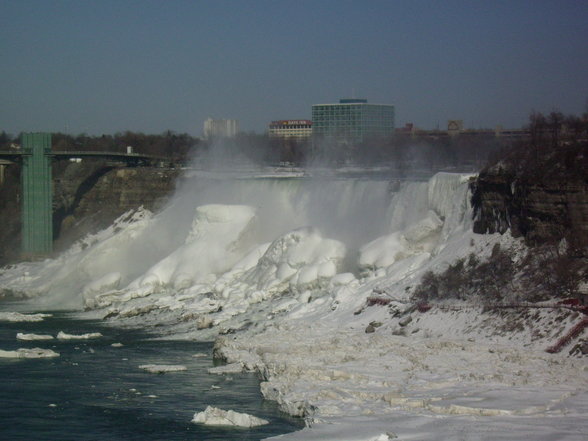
x,y
377,383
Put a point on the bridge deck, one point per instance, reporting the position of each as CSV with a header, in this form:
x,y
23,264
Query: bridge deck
x,y
12,154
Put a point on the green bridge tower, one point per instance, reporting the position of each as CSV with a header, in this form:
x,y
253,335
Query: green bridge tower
x,y
37,213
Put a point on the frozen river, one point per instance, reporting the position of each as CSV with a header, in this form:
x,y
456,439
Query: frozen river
x,y
95,389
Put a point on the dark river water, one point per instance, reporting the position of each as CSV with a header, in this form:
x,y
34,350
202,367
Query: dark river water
x,y
94,391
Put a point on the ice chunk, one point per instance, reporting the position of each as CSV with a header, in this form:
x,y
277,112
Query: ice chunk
x,y
63,336
162,368
30,337
18,317
29,353
213,416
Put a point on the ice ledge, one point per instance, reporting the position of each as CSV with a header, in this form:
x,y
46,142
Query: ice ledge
x,y
213,416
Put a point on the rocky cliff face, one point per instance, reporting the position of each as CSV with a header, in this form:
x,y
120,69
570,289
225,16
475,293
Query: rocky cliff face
x,y
541,206
103,195
87,197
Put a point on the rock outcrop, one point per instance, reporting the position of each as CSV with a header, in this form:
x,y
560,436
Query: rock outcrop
x,y
541,198
538,211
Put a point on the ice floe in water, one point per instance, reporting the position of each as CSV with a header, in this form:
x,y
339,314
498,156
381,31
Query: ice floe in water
x,y
29,353
32,337
18,317
63,336
162,368
213,416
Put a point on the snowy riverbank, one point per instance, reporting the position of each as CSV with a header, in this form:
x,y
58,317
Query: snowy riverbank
x,y
453,375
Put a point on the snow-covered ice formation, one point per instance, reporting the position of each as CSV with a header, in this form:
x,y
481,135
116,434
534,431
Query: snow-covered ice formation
x,y
90,335
280,272
162,368
18,317
213,416
32,337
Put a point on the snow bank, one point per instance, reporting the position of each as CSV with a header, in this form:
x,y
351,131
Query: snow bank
x,y
29,353
63,336
213,416
32,337
162,368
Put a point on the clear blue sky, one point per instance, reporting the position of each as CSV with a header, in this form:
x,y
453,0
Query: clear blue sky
x,y
105,66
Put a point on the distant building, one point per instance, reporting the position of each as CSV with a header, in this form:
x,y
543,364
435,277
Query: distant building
x,y
290,128
454,126
220,128
352,120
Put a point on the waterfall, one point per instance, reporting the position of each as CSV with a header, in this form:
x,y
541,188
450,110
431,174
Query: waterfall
x,y
319,227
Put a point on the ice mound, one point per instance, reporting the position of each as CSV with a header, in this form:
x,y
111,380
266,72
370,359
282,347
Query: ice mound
x,y
298,260
63,336
213,416
162,368
32,337
29,353
418,239
216,241
18,317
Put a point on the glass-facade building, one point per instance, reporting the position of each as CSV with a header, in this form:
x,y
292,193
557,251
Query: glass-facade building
x,y
352,120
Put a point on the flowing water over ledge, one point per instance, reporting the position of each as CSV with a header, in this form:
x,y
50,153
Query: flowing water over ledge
x,y
95,391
